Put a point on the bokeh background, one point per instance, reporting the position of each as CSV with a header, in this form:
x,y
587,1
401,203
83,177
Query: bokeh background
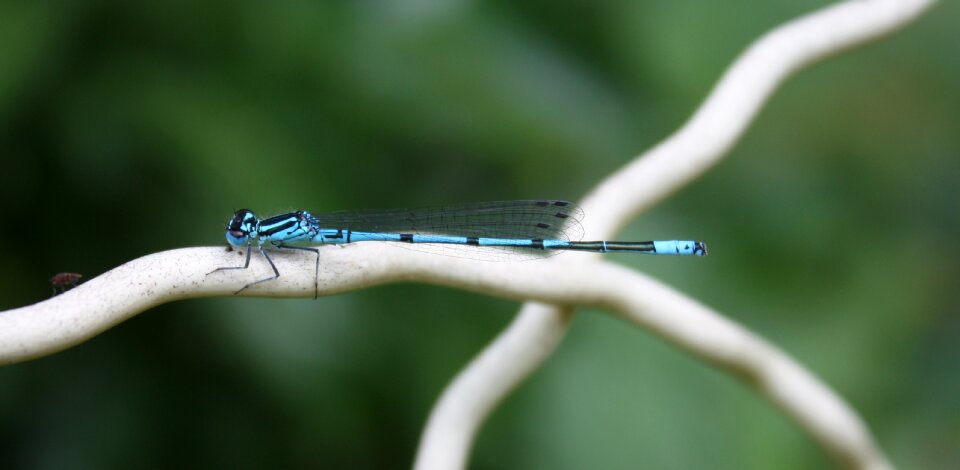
x,y
128,129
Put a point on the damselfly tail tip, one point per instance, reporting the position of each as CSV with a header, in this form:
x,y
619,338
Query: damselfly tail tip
x,y
700,248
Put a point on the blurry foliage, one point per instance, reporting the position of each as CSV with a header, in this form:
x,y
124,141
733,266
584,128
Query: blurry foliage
x,y
129,128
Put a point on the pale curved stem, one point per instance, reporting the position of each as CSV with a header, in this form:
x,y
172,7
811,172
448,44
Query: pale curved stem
x,y
692,150
104,301
121,293
465,404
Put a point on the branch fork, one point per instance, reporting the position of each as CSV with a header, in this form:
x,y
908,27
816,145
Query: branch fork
x,y
551,288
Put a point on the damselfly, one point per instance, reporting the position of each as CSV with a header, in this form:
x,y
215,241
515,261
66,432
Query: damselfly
x,y
506,230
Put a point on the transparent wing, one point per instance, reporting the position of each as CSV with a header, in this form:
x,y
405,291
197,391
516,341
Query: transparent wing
x,y
525,219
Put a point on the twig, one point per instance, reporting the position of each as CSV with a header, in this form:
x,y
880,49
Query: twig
x,y
106,300
699,144
121,293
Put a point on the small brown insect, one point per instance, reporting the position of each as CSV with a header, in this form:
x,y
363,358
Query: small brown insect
x,y
61,282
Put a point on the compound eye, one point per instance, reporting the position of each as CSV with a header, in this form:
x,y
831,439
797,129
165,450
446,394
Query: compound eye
x,y
236,233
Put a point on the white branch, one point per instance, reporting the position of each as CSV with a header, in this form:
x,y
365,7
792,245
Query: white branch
x,y
117,295
692,150
106,300
568,281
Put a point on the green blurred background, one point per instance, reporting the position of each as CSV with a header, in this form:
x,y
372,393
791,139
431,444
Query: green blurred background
x,y
128,129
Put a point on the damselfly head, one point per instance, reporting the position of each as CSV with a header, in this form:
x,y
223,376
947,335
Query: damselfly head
x,y
241,226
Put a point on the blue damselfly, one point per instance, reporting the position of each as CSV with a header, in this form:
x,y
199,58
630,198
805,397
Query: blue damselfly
x,y
506,230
